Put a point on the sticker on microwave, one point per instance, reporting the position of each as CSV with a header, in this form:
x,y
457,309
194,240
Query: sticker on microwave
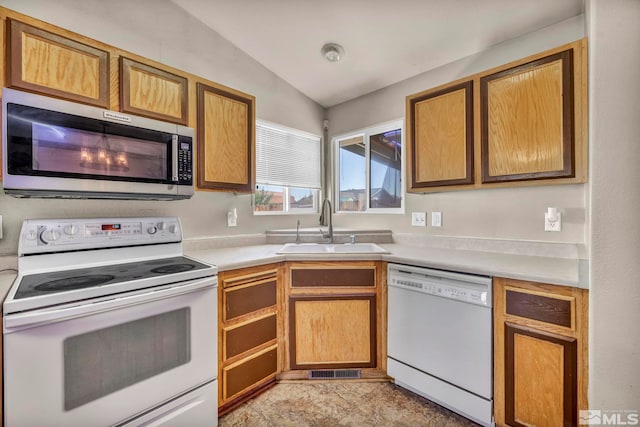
x,y
116,116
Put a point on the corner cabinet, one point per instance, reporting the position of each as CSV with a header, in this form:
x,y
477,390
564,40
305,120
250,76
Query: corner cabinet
x,y
540,353
249,325
226,139
523,123
336,317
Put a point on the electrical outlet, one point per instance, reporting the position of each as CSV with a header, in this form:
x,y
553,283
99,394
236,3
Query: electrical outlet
x,y
419,219
232,218
436,219
550,225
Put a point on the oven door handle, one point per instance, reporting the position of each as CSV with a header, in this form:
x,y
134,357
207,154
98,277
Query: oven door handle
x,y
52,315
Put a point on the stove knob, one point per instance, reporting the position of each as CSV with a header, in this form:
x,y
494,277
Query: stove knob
x,y
31,235
70,229
51,235
152,229
161,226
173,229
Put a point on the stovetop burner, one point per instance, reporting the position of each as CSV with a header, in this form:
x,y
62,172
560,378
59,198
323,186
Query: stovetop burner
x,y
68,280
174,268
74,282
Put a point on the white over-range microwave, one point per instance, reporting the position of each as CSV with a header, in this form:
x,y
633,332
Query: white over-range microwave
x,y
56,148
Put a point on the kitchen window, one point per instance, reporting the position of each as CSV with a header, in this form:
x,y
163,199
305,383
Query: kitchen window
x,y
287,170
369,170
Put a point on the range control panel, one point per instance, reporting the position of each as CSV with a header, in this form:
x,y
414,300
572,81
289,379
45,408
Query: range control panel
x,y
51,235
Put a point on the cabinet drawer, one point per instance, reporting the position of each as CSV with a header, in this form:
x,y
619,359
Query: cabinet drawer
x,y
335,276
549,308
249,373
249,335
241,300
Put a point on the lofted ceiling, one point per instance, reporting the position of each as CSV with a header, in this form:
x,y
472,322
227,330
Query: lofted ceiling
x,y
386,41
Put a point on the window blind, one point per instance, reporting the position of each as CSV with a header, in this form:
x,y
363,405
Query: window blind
x,y
286,156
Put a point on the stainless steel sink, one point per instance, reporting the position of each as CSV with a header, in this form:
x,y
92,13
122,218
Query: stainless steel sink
x,y
326,248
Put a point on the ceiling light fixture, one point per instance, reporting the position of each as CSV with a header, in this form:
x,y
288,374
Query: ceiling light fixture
x,y
332,52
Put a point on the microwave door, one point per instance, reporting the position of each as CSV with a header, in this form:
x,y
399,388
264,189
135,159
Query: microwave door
x,y
56,154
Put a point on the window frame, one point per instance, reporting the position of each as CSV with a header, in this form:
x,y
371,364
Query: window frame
x,y
366,133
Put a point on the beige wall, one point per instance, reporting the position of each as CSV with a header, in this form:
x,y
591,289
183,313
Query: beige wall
x,y
161,31
614,226
494,213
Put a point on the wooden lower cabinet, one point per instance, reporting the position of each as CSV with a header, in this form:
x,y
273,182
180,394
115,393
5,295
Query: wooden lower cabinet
x,y
332,331
540,353
249,333
336,316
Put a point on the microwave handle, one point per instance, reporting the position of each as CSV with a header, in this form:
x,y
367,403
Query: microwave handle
x,y
40,317
174,156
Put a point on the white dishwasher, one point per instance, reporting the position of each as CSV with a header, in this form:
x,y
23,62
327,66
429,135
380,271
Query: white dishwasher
x,y
440,338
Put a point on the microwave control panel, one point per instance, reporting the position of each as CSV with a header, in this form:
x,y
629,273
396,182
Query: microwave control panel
x,y
185,160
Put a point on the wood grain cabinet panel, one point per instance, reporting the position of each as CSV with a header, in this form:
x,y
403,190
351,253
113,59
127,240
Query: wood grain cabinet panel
x,y
540,353
44,62
244,376
332,331
152,92
249,331
441,137
519,124
528,121
336,277
226,140
541,378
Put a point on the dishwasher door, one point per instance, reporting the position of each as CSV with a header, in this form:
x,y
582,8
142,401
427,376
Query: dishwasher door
x,y
441,328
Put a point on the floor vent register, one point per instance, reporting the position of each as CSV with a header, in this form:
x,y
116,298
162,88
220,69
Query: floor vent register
x,y
328,374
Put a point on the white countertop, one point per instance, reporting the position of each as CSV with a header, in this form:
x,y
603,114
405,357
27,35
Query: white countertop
x,y
554,270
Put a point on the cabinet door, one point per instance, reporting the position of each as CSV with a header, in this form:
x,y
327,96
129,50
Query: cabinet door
x,y
540,378
40,61
151,92
332,331
528,121
441,137
540,353
226,140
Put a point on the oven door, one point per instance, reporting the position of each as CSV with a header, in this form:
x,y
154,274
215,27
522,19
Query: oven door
x,y
102,363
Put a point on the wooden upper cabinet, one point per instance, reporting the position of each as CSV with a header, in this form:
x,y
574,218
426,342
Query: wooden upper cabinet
x,y
441,137
528,121
522,123
226,139
44,62
151,92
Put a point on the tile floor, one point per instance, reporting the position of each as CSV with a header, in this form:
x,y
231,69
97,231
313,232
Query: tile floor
x,y
329,404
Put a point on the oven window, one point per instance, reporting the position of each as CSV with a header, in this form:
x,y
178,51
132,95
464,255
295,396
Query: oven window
x,y
100,362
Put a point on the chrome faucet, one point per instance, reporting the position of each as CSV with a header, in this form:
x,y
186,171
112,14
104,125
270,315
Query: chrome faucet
x,y
326,220
298,233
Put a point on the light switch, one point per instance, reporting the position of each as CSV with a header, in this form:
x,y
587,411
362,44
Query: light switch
x,y
0,226
419,219
436,219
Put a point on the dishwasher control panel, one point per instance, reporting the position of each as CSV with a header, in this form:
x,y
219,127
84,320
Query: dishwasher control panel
x,y
458,286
